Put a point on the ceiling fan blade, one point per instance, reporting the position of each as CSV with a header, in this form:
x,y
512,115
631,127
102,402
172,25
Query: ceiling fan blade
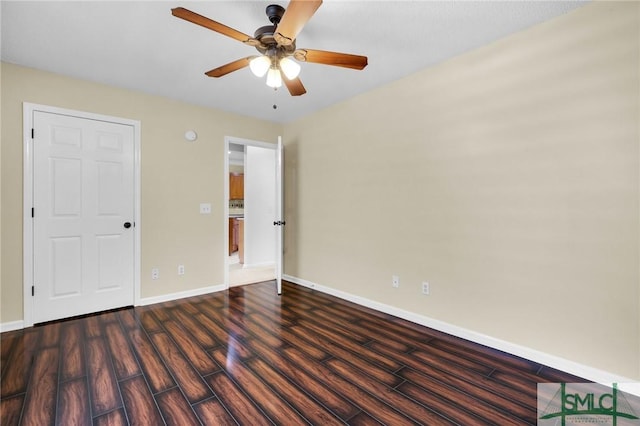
x,y
294,19
187,15
230,67
294,86
345,60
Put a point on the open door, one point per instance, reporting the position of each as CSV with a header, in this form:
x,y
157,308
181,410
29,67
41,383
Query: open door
x,y
279,222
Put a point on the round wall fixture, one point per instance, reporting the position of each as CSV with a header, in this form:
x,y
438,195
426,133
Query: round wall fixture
x,y
190,135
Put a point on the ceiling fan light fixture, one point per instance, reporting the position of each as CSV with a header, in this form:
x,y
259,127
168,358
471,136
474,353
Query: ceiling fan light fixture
x,y
260,65
274,79
290,68
276,44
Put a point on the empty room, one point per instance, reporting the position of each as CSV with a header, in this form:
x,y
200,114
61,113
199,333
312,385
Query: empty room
x,y
307,212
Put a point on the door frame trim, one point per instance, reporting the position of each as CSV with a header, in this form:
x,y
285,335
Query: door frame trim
x,y
28,110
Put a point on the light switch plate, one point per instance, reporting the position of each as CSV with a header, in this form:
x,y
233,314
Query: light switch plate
x,y
205,208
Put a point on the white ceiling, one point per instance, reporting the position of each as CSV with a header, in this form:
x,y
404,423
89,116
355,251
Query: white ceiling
x,y
141,46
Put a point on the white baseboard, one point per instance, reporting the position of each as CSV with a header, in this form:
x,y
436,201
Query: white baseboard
x,y
258,265
10,326
571,367
180,295
17,325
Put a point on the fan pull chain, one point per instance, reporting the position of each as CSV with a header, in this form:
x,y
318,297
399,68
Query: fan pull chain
x,y
275,90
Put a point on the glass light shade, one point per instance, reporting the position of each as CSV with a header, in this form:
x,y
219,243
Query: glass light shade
x,y
274,79
260,65
290,68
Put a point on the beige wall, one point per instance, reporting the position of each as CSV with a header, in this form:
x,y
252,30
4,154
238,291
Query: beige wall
x,y
507,177
176,177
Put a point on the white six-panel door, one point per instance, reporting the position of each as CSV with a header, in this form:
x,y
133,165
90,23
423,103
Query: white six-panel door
x,y
83,224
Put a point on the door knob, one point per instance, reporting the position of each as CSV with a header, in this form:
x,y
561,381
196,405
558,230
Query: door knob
x,y
127,225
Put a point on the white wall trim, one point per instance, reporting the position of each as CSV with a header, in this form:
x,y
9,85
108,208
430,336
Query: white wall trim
x,y
180,295
581,370
259,265
225,243
28,110
10,326
225,203
17,325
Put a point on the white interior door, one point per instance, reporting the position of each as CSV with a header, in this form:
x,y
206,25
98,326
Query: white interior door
x,y
279,214
259,206
83,198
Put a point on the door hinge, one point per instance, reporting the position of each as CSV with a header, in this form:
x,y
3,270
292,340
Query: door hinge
x,y
33,133
33,213
33,290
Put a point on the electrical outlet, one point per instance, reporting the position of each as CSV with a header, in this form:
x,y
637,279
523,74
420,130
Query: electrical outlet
x,y
425,287
205,208
395,281
180,269
155,273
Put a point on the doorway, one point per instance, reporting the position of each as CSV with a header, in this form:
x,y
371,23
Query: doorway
x,y
250,199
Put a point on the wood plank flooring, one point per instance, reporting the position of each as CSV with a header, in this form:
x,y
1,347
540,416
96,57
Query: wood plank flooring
x,y
249,357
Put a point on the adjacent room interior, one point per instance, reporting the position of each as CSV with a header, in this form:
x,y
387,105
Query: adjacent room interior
x,y
467,227
255,183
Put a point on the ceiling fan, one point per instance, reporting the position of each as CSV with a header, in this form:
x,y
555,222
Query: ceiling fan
x,y
276,44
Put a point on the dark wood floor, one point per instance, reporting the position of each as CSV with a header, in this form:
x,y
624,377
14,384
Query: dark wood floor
x,y
249,357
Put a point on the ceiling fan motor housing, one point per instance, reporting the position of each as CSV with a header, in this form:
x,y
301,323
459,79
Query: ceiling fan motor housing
x,y
274,13
266,34
266,37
